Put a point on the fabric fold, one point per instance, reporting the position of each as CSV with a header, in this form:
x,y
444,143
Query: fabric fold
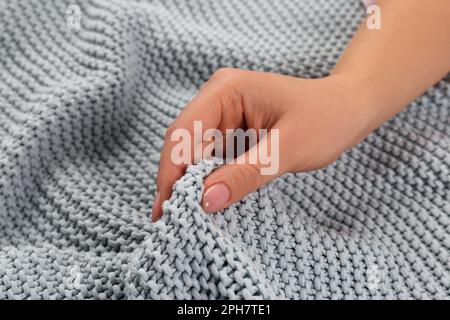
x,y
85,97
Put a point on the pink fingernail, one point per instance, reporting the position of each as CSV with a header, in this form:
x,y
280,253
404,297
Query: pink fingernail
x,y
215,197
156,209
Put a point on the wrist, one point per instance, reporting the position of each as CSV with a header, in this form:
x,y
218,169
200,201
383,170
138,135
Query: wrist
x,y
362,104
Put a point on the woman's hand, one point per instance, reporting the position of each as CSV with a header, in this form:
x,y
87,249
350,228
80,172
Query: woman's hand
x,y
317,121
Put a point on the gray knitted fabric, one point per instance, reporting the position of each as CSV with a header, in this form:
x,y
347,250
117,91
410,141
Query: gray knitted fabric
x,y
82,116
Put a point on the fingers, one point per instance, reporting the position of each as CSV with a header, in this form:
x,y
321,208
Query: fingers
x,y
171,174
206,109
233,181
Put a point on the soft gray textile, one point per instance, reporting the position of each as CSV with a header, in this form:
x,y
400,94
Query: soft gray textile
x,y
82,116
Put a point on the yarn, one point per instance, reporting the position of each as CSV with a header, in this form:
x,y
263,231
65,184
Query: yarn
x,y
87,89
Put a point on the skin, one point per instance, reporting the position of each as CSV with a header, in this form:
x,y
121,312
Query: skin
x,y
378,75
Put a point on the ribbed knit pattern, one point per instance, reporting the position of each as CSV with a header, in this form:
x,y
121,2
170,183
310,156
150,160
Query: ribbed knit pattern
x,y
82,118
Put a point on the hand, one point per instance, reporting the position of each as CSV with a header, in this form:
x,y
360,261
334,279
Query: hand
x,y
317,121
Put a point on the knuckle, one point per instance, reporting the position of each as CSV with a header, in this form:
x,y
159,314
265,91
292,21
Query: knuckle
x,y
170,130
228,78
227,87
246,175
225,73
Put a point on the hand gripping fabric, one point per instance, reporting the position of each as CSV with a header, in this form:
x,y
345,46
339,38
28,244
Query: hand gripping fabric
x,y
87,89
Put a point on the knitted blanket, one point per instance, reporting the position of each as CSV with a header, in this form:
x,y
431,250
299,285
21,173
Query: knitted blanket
x,y
87,89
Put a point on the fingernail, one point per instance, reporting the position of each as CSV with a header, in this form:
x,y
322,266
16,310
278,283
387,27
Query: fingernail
x,y
156,209
215,197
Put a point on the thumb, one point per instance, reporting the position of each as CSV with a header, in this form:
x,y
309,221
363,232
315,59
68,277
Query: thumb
x,y
243,175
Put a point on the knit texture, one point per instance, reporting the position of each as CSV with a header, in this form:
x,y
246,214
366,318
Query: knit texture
x,y
83,111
